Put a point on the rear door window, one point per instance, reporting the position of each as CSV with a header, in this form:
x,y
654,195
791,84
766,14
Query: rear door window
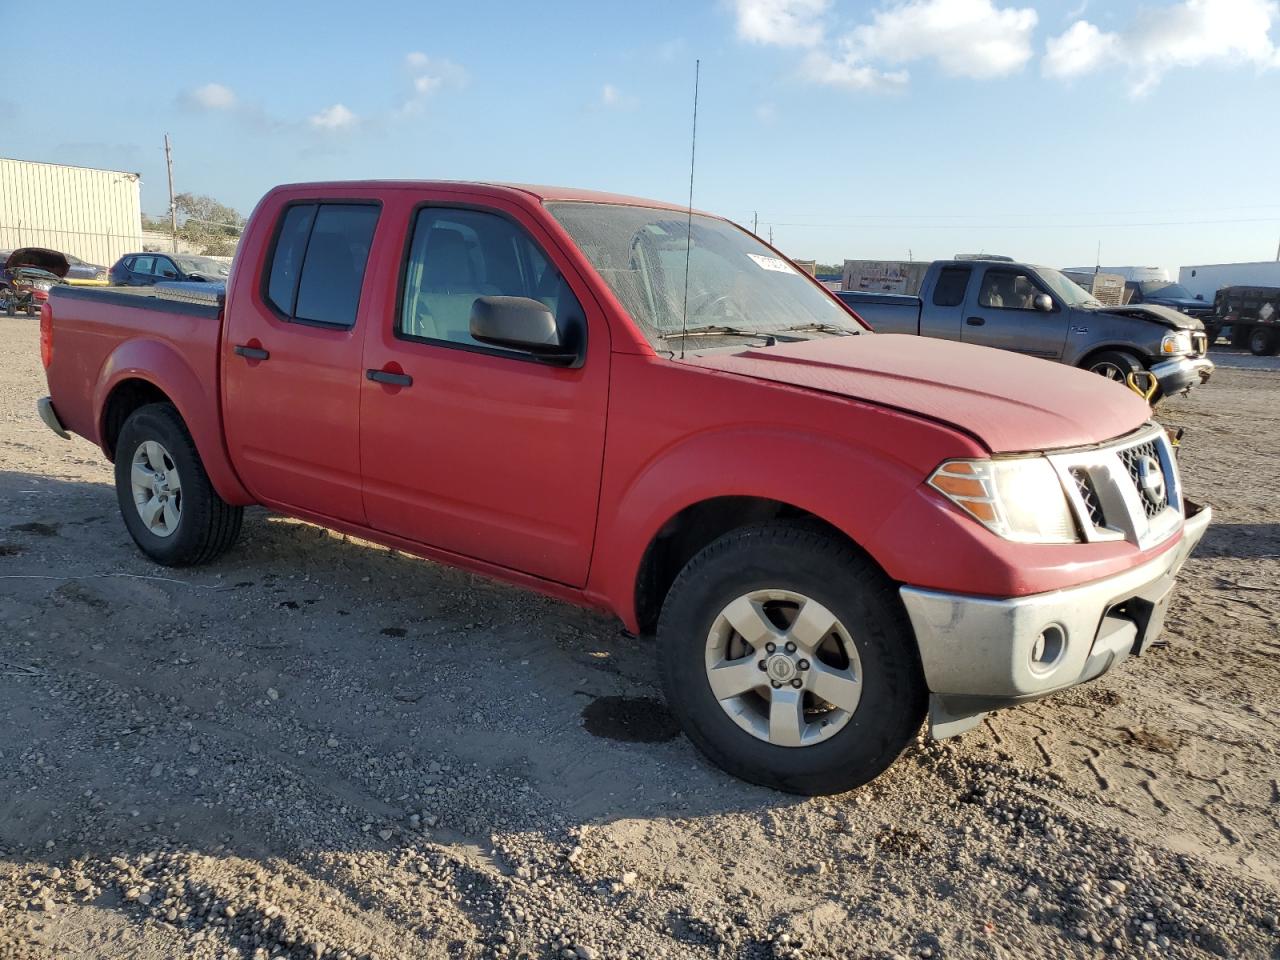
x,y
318,262
143,265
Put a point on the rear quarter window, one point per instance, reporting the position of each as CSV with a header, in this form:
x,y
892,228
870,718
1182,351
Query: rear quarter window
x,y
952,283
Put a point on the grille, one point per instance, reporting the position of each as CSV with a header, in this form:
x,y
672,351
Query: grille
x,y
1084,483
1138,461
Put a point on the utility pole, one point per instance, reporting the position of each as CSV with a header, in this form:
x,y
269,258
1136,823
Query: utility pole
x,y
1278,254
173,204
755,222
771,234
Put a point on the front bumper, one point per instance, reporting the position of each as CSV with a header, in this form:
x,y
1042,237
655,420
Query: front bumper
x,y
981,654
1181,373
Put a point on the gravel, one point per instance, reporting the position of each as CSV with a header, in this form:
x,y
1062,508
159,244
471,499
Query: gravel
x,y
301,752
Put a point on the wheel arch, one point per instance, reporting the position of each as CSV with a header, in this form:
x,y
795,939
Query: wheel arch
x,y
139,372
1122,346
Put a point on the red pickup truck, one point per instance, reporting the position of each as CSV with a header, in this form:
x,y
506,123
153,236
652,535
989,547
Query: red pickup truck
x,y
833,533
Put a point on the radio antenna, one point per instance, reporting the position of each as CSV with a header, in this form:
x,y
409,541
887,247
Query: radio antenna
x,y
688,235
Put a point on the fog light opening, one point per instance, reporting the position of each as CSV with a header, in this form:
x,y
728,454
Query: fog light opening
x,y
1047,650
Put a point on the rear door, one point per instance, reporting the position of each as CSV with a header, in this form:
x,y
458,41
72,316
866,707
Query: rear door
x,y
141,272
477,450
1001,313
291,361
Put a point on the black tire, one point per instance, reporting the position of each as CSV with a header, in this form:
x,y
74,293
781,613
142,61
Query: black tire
x,y
1114,365
207,524
807,560
1264,342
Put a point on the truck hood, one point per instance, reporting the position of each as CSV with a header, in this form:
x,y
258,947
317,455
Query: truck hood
x,y
1011,403
1155,313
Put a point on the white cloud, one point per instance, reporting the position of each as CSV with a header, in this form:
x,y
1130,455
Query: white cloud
x,y
1191,33
610,96
428,76
849,73
211,96
967,38
1081,49
334,118
783,23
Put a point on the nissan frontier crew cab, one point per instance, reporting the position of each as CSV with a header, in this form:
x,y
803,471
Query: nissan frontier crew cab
x,y
833,533
1040,312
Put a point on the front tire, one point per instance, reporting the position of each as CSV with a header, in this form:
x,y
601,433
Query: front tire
x,y
788,659
1115,365
168,504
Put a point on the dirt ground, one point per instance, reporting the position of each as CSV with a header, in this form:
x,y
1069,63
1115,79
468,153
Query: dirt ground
x,y
320,748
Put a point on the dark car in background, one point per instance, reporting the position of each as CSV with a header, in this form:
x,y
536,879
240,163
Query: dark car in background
x,y
1165,293
146,269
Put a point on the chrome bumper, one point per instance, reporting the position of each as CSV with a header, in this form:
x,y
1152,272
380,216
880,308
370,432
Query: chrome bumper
x,y
1183,373
981,654
44,406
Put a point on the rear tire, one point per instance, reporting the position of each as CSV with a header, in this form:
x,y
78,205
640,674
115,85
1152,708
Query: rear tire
x,y
1264,342
867,661
168,504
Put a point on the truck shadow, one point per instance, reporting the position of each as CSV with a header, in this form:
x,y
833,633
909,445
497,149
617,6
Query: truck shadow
x,y
1243,540
307,673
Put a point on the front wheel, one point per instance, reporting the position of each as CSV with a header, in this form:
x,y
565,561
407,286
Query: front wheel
x,y
1264,342
1115,365
789,661
169,506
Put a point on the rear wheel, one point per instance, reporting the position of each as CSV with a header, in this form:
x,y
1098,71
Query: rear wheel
x,y
788,659
168,504
1264,342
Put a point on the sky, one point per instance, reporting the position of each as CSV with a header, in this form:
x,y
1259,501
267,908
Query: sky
x,y
1041,130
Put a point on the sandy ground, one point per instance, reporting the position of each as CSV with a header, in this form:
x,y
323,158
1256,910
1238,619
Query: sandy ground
x,y
317,747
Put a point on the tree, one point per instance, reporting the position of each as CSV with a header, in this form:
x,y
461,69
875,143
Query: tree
x,y
203,221
213,225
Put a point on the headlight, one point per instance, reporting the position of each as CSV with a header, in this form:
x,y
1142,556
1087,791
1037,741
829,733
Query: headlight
x,y
1174,343
1019,499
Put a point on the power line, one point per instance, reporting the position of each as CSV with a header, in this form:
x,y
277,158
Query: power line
x,y
1024,226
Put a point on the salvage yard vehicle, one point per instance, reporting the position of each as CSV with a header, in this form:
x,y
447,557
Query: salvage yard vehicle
x,y
834,533
29,273
1039,312
1253,316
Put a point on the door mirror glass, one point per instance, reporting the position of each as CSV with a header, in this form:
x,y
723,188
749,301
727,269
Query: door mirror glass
x,y
1043,302
519,323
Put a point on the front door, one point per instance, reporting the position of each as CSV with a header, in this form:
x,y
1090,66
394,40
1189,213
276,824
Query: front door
x,y
291,362
1001,313
480,451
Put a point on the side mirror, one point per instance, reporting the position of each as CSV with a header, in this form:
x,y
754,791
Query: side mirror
x,y
1043,302
519,323
1200,296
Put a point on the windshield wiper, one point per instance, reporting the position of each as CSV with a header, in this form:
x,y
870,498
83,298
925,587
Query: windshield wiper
x,y
818,328
715,330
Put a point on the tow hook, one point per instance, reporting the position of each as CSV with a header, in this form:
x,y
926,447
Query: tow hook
x,y
1143,383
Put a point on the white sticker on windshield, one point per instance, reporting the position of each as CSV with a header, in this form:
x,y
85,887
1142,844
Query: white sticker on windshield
x,y
771,263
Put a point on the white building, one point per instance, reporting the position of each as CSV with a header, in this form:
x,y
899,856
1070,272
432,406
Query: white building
x,y
1206,279
92,214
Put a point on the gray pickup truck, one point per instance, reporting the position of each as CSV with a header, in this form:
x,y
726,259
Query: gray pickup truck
x,y
1038,311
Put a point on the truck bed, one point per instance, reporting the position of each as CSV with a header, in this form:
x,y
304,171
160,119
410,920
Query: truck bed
x,y
108,336
886,312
